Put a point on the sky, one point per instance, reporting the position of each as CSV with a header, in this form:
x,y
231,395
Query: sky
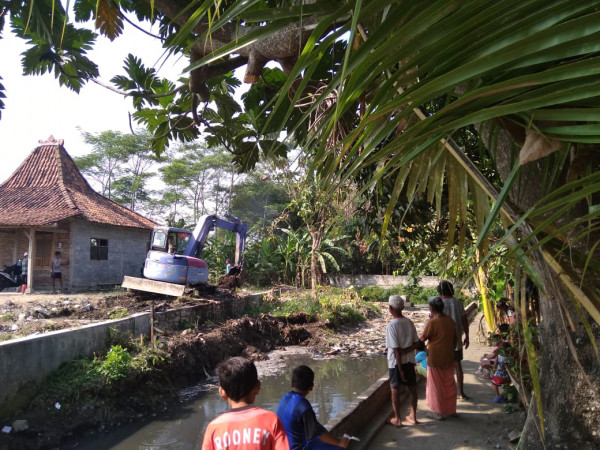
x,y
37,107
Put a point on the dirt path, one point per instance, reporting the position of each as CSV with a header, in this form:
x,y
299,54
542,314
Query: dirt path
x,y
481,424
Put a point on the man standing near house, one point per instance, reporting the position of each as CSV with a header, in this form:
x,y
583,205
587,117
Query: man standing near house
x,y
456,311
24,268
55,271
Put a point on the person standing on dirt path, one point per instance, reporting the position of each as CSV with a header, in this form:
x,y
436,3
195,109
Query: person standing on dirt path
x,y
244,426
227,267
441,337
299,419
456,311
55,271
401,340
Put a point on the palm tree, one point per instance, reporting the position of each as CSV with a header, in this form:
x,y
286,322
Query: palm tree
x,y
525,74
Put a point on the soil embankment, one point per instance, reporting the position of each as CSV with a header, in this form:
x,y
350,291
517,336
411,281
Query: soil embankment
x,y
26,315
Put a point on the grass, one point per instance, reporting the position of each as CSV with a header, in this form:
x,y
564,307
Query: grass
x,y
118,313
100,376
8,317
335,306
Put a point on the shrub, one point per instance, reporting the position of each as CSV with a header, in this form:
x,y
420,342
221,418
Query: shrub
x,y
343,315
117,313
422,296
374,294
116,365
511,393
73,379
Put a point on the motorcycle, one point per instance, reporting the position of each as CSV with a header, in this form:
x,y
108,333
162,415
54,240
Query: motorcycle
x,y
10,276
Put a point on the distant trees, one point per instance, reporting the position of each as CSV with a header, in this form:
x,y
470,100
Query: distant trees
x,y
119,165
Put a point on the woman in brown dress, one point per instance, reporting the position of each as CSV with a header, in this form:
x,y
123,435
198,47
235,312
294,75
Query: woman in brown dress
x,y
440,335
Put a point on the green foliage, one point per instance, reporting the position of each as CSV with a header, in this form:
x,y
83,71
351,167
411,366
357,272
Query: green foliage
x,y
146,359
374,294
422,296
336,306
511,394
8,317
415,293
295,305
116,365
117,313
101,376
74,379
259,201
119,165
340,310
412,289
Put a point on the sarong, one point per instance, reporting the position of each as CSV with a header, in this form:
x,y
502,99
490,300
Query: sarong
x,y
441,390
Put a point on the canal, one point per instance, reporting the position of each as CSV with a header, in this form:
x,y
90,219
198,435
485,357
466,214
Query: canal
x,y
337,382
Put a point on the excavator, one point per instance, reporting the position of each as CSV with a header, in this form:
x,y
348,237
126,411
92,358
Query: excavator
x,y
173,265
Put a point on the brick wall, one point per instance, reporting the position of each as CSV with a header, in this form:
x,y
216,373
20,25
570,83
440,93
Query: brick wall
x,y
127,248
8,248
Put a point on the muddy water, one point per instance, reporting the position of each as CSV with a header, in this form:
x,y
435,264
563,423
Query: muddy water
x,y
337,381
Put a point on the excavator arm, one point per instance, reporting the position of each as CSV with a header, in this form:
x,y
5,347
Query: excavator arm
x,y
208,223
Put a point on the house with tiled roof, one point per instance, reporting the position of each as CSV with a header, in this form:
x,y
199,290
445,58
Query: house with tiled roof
x,y
46,205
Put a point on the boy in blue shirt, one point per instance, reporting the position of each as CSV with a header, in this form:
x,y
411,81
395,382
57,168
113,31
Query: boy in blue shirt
x,y
299,419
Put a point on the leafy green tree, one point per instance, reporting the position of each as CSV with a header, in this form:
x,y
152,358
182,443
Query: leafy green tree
x,y
318,212
193,166
103,164
173,197
259,199
120,164
130,190
264,263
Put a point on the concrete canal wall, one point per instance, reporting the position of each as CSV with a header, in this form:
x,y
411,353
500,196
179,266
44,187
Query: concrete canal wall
x,y
24,362
344,281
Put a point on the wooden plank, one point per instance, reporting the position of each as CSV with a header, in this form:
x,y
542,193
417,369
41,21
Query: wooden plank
x,y
157,287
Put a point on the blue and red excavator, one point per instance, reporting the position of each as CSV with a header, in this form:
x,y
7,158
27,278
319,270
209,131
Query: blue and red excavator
x,y
173,265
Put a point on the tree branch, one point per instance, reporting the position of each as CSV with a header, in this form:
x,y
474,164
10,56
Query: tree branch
x,y
139,94
140,28
282,46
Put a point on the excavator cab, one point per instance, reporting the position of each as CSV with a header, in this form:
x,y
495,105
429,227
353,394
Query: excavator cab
x,y
167,261
170,240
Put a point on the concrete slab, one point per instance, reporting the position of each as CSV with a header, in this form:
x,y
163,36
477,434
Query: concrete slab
x,y
157,287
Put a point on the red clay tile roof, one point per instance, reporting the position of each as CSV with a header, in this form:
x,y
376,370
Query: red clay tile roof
x,y
48,187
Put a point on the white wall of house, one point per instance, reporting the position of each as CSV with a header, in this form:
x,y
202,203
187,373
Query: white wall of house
x,y
127,248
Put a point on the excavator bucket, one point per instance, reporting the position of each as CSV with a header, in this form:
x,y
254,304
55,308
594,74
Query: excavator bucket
x,y
156,287
232,280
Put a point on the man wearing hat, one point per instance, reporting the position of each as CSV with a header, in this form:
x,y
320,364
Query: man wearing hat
x,y
401,340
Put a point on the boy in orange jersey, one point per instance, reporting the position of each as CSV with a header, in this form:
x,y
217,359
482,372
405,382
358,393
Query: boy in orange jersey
x,y
245,426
